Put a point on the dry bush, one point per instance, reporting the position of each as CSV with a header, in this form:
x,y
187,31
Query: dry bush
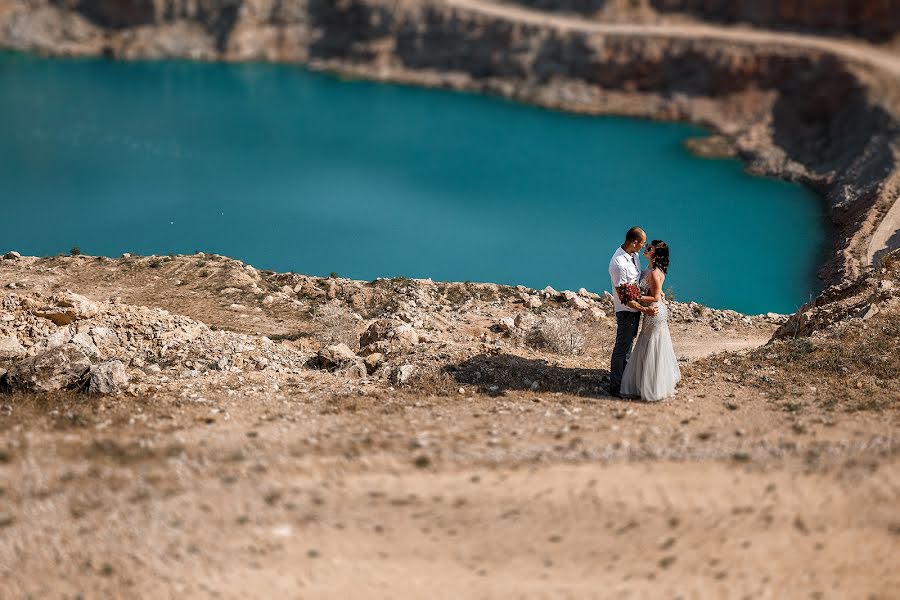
x,y
856,367
336,324
557,331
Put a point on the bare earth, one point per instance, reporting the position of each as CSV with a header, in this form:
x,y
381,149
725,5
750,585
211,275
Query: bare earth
x,y
310,484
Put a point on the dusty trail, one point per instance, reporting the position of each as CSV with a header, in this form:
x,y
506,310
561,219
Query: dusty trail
x,y
854,51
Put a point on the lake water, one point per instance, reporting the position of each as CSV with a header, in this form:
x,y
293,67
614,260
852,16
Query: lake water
x,y
290,170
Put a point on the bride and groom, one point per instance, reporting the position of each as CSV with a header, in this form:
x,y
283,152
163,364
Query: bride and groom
x,y
650,370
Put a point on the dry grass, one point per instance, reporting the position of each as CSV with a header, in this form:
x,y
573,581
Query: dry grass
x,y
856,367
336,324
558,331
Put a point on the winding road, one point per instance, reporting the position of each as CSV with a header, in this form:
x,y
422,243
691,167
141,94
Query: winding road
x,y
854,51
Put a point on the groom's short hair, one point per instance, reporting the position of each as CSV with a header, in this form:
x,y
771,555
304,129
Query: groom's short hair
x,y
635,234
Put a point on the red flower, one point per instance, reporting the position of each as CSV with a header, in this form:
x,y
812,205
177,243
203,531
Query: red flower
x,y
628,292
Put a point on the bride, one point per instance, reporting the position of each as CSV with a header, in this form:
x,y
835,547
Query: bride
x,y
652,372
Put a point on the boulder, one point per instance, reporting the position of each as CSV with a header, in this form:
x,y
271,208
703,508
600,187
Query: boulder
x,y
578,303
55,369
108,377
402,374
526,320
507,324
868,312
84,341
10,348
13,255
54,340
340,358
373,361
397,335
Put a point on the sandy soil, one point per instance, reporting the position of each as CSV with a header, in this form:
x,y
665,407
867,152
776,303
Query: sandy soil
x,y
312,485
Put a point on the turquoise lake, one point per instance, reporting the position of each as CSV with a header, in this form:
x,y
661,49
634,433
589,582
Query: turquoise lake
x,y
291,170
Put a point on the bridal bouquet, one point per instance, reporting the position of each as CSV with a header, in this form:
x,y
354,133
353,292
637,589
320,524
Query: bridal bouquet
x,y
628,292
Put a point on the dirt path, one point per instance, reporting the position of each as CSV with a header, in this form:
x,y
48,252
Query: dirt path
x,y
854,51
702,344
887,235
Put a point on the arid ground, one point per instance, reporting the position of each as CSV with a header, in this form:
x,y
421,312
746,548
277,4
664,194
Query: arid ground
x,y
499,469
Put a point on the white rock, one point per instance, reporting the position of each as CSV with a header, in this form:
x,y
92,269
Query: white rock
x,y
54,369
869,311
86,344
402,374
507,324
12,255
405,333
578,303
54,340
335,356
108,378
10,348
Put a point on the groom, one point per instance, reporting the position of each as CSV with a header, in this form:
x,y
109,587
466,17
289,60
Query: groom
x,y
625,267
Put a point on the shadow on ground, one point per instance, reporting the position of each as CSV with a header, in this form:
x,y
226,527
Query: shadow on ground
x,y
496,373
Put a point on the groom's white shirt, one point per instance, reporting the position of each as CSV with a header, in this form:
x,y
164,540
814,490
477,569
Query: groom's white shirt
x,y
623,268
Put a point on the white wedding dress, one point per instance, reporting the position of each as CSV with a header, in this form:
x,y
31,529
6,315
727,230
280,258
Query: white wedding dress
x,y
652,371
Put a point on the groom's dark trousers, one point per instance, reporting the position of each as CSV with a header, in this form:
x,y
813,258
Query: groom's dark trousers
x,y
627,324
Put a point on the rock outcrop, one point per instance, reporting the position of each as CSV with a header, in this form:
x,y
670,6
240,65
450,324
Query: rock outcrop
x,y
101,347
59,368
861,299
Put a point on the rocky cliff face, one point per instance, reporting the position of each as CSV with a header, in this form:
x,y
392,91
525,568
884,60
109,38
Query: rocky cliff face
x,y
800,114
875,20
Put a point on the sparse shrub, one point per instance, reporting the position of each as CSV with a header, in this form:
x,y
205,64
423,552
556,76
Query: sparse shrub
x,y
670,294
75,251
155,263
800,347
333,275
558,332
201,263
336,324
203,273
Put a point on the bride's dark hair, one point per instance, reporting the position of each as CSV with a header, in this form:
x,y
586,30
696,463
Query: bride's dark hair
x,y
660,255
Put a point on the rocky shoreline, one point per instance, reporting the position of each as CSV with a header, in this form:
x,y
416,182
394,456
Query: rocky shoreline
x,y
826,118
